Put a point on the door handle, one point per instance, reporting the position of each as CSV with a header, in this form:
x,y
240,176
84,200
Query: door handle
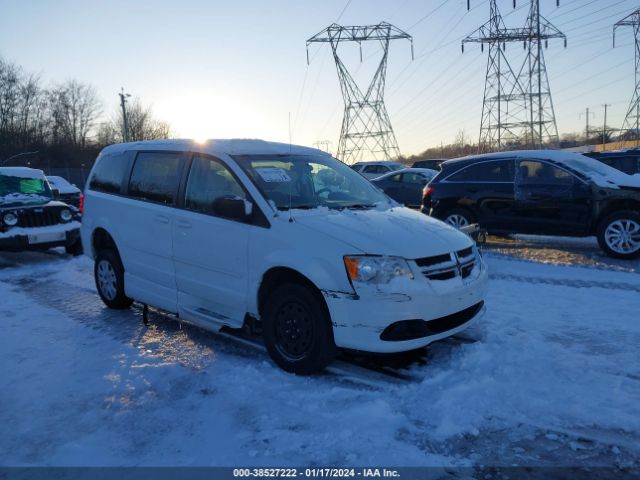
x,y
183,224
162,219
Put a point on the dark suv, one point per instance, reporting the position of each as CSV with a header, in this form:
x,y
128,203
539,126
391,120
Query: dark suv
x,y
627,161
540,192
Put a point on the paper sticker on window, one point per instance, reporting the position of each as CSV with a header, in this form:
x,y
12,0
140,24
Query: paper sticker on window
x,y
273,174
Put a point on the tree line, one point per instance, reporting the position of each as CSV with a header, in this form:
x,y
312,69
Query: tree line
x,y
65,121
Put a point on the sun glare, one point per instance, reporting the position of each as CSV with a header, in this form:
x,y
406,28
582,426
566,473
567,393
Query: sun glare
x,y
202,116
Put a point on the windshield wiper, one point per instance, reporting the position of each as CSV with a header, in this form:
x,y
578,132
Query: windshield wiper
x,y
298,207
360,206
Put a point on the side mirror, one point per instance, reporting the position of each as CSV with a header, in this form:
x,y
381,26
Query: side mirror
x,y
56,193
233,208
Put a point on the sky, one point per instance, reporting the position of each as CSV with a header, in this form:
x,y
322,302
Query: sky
x,y
222,69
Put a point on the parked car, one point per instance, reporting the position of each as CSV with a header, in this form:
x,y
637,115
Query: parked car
x,y
540,192
432,164
371,170
627,161
67,192
246,232
31,218
405,186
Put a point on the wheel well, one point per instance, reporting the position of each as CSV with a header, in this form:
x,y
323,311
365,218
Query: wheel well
x,y
103,241
280,275
625,204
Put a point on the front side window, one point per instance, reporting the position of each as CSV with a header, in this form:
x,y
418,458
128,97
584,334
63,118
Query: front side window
x,y
542,173
209,180
308,182
491,171
155,176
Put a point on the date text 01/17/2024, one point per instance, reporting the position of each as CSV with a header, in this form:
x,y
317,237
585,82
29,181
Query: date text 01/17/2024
x,y
315,472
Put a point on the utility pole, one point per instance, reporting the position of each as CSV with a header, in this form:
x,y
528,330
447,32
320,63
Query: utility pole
x,y
632,118
604,126
125,121
365,125
587,129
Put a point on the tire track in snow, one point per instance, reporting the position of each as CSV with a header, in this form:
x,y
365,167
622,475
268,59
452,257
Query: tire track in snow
x,y
566,282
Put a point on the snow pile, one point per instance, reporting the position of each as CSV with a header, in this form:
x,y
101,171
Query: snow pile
x,y
23,199
22,172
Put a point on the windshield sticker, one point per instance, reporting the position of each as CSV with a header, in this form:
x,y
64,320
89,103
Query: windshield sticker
x,y
273,174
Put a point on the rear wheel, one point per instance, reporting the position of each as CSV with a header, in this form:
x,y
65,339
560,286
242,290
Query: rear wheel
x,y
459,217
297,331
109,276
619,234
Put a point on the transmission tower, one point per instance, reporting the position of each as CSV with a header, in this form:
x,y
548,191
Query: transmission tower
x,y
365,126
543,117
531,84
504,122
632,118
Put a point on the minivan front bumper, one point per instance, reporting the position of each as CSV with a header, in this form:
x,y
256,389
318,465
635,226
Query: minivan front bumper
x,y
377,321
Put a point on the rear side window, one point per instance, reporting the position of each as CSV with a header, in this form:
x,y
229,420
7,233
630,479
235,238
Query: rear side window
x,y
108,173
155,177
494,171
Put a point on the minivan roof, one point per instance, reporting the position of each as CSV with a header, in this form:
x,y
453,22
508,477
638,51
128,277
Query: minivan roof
x,y
216,146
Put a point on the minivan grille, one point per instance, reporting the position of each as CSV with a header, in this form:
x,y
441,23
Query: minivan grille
x,y
448,266
38,217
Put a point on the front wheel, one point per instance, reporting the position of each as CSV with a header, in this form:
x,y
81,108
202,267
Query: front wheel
x,y
109,276
619,234
297,331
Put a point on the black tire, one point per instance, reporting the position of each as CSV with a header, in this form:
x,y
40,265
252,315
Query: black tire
x,y
614,224
308,349
75,248
108,263
461,213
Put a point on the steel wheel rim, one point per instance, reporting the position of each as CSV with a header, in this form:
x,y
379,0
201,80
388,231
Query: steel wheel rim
x,y
623,236
294,330
107,281
457,220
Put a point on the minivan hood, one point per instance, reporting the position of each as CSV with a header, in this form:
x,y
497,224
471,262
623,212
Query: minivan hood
x,y
396,231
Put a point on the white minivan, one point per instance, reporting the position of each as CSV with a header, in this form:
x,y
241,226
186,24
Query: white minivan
x,y
281,237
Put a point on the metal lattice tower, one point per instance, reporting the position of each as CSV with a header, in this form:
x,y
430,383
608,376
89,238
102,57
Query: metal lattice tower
x,y
504,122
632,118
543,124
505,117
365,126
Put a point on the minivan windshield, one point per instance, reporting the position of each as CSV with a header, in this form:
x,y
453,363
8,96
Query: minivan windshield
x,y
306,182
18,190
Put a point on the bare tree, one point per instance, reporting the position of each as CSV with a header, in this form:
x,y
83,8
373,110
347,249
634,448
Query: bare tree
x,y
141,122
75,108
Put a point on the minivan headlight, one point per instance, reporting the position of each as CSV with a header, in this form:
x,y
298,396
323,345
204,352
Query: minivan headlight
x,y
376,269
10,219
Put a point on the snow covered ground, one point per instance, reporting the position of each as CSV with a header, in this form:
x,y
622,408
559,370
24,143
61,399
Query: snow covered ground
x,y
550,377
